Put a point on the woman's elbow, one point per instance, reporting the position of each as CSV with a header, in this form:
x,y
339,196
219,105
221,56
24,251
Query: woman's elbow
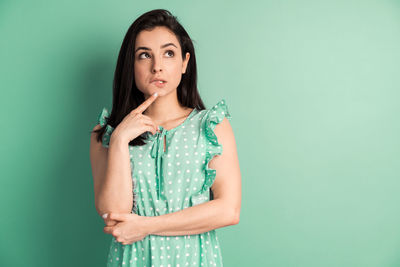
x,y
234,217
231,213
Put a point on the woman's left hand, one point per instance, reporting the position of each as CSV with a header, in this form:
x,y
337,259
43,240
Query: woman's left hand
x,y
128,229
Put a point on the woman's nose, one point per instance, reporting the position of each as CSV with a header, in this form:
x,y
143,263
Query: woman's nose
x,y
157,65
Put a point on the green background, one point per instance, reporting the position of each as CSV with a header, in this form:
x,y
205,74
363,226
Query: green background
x,y
313,89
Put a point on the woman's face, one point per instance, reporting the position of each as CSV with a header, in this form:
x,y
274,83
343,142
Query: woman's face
x,y
158,56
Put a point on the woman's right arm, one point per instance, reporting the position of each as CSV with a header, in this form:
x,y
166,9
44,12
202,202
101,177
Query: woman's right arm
x,y
111,172
111,166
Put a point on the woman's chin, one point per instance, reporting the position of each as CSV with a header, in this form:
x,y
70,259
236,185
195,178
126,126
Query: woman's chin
x,y
161,92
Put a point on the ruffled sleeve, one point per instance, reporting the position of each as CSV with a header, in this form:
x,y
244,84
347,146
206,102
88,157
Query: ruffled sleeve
x,y
212,117
102,120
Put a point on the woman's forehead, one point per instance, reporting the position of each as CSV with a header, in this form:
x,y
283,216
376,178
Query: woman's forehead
x,y
156,38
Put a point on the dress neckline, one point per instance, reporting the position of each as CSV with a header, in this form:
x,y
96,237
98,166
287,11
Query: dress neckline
x,y
165,131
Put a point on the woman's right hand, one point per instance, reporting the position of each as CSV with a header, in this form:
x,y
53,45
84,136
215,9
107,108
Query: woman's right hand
x,y
136,123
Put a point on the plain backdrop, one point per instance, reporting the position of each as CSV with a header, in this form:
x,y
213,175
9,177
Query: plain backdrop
x,y
313,90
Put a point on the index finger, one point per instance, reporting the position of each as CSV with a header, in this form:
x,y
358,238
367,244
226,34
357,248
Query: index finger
x,y
109,222
142,107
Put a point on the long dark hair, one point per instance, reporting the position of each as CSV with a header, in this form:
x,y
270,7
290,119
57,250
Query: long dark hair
x,y
126,96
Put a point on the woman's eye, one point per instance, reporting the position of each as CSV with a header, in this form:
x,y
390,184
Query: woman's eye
x,y
172,52
144,53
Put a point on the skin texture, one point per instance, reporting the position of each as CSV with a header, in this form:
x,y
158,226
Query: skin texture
x,y
224,209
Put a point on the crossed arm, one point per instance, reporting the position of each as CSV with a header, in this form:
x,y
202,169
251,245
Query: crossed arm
x,y
223,210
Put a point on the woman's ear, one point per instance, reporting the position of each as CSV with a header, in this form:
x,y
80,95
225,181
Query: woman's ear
x,y
185,62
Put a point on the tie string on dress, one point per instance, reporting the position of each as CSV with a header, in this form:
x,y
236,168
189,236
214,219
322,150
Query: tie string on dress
x,y
157,152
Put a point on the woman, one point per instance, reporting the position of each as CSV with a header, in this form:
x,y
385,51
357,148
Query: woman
x,y
161,181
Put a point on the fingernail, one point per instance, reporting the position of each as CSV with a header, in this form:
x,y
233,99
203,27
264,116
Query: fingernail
x,y
155,94
104,215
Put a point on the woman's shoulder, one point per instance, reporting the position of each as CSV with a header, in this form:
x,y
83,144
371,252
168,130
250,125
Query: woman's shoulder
x,y
216,113
102,120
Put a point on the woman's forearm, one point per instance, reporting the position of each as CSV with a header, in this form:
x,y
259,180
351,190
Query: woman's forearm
x,y
193,220
116,191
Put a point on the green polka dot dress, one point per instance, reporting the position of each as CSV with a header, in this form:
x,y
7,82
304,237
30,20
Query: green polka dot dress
x,y
169,181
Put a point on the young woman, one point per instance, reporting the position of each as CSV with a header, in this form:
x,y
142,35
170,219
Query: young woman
x,y
165,169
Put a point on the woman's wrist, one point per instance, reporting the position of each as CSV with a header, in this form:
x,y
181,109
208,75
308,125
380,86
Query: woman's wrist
x,y
117,138
149,224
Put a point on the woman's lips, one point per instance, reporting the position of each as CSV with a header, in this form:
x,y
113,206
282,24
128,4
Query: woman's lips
x,y
158,84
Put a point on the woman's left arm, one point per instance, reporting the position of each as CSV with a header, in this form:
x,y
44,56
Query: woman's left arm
x,y
223,210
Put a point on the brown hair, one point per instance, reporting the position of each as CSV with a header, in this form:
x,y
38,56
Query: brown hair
x,y
126,96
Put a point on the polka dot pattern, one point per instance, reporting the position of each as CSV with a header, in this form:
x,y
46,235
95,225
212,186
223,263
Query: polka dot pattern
x,y
170,179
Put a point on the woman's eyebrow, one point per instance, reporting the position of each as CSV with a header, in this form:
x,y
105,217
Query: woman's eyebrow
x,y
146,48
